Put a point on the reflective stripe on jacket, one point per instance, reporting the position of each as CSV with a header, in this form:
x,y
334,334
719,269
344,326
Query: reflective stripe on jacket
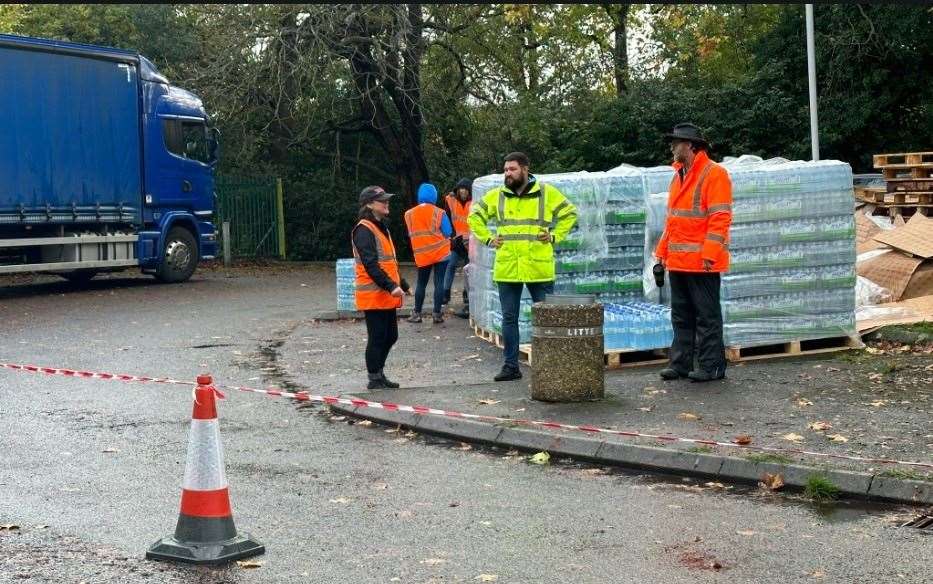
x,y
699,213
458,215
369,296
428,243
519,220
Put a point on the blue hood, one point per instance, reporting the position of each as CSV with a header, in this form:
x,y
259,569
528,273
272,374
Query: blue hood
x,y
427,193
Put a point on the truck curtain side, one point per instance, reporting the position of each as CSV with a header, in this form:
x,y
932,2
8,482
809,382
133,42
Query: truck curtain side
x,y
104,164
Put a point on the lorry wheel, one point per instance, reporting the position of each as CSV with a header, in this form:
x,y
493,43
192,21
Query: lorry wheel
x,y
181,256
79,276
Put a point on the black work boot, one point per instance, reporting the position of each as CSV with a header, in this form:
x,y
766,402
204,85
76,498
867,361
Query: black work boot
x,y
670,374
388,384
700,376
508,373
377,381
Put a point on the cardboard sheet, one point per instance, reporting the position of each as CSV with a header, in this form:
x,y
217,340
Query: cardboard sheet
x,y
914,237
905,312
892,270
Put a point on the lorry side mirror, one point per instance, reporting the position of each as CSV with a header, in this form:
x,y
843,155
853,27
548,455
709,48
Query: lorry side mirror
x,y
214,145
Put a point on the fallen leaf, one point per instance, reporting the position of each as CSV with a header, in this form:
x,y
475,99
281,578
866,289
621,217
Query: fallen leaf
x,y
817,574
464,446
337,418
742,439
687,416
340,500
874,376
380,486
833,369
433,561
878,403
746,532
837,437
249,564
487,577
792,437
772,482
110,450
645,409
489,402
873,351
468,357
804,402
540,458
8,527
819,426
716,486
365,423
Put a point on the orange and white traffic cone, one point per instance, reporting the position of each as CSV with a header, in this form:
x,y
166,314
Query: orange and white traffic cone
x,y
205,533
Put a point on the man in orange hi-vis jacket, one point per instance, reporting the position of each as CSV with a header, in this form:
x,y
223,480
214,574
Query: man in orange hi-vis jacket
x,y
694,248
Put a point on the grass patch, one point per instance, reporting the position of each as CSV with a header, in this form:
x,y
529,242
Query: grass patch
x,y
820,489
768,457
908,475
700,449
925,328
888,367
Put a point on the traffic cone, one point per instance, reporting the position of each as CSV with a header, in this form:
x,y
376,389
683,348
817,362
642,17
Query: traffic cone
x,y
205,533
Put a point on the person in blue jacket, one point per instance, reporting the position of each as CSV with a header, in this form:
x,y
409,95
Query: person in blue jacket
x,y
431,248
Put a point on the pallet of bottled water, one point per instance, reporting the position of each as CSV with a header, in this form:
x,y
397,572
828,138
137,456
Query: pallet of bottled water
x,y
346,284
636,326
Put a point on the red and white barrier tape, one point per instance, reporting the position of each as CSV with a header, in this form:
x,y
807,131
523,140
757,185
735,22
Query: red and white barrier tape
x,y
426,411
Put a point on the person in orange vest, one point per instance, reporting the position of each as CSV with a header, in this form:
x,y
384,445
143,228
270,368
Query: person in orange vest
x,y
458,207
429,231
379,285
694,248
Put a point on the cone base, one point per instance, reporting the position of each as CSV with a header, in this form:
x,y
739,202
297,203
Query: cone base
x,y
221,552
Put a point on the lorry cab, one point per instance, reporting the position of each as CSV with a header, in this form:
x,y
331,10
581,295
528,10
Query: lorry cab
x,y
105,163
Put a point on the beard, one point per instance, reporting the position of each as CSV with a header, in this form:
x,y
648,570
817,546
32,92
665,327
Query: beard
x,y
514,183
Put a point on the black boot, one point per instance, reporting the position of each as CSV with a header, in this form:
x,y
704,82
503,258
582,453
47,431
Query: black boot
x,y
377,381
388,384
700,376
508,373
669,374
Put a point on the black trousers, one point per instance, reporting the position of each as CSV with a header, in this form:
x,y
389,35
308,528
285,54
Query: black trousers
x,y
381,334
697,320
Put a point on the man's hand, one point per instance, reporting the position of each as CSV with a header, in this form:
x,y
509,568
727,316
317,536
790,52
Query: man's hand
x,y
398,292
543,235
707,265
496,241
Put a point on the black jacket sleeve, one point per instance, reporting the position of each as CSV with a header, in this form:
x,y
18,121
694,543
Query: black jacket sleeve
x,y
365,243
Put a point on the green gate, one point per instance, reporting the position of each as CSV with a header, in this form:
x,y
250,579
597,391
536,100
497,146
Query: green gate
x,y
253,207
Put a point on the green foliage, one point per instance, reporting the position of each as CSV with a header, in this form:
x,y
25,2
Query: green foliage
x,y
502,77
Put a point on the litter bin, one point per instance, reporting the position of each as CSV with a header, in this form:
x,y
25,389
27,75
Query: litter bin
x,y
567,349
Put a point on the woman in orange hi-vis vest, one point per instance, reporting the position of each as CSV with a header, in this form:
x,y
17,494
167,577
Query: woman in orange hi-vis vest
x,y
458,207
379,286
695,250
429,230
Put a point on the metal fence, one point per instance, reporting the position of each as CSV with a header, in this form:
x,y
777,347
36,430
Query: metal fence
x,y
253,208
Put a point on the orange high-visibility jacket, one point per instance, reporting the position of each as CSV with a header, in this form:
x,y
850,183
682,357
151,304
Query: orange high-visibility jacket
x,y
458,215
370,296
427,240
699,212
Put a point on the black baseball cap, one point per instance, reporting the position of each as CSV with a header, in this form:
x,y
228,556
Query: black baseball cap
x,y
374,193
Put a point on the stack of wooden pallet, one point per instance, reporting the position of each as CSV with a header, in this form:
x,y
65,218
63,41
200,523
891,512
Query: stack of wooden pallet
x,y
908,184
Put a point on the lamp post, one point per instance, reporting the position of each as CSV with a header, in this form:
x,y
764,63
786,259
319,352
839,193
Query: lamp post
x,y
811,71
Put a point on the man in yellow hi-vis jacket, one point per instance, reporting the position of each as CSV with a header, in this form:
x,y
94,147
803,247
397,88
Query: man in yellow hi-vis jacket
x,y
530,218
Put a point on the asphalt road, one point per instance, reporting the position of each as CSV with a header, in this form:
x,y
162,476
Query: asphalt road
x,y
91,471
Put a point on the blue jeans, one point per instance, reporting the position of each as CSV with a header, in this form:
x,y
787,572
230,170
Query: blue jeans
x,y
510,297
424,274
456,260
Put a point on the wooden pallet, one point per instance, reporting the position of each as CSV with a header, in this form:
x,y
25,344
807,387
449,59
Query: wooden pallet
x,y
793,348
908,198
870,194
488,336
909,185
905,159
907,172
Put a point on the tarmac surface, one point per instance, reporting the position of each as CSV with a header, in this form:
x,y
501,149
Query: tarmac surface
x,y
91,470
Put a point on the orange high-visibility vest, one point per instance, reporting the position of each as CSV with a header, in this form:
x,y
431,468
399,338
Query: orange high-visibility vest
x,y
699,213
458,215
370,296
427,240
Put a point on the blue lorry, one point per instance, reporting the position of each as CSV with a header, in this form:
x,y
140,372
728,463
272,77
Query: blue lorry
x,y
104,164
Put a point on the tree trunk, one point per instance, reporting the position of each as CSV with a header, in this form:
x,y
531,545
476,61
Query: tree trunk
x,y
618,14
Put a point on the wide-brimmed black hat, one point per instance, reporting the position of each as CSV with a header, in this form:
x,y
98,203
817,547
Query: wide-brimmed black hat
x,y
689,132
374,193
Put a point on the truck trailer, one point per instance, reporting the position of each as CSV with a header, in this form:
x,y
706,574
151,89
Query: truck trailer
x,y
104,165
